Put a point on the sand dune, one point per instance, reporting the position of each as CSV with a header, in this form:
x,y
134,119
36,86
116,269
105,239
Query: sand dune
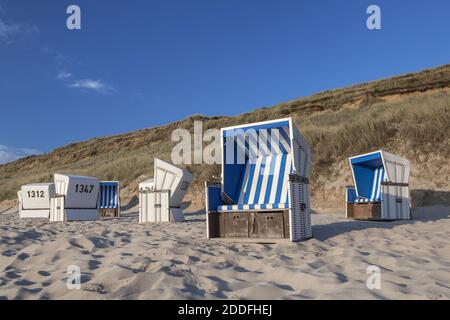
x,y
120,259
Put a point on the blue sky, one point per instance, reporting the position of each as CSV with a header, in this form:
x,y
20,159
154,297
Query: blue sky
x,y
140,63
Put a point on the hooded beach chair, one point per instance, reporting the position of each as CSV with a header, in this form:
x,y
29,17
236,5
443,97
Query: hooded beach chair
x,y
34,200
381,190
160,198
109,198
264,192
76,199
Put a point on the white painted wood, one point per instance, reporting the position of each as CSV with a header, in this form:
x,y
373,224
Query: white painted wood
x,y
80,196
57,209
154,206
395,199
147,185
169,177
34,200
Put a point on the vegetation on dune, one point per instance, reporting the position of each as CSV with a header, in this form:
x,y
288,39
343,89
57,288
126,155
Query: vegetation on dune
x,y
410,112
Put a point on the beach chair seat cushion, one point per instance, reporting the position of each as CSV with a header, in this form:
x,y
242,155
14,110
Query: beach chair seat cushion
x,y
245,207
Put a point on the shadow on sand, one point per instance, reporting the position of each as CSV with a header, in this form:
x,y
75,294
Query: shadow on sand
x,y
196,216
133,202
427,205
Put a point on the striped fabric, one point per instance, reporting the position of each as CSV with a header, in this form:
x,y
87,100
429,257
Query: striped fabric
x,y
375,195
109,195
262,143
264,184
266,181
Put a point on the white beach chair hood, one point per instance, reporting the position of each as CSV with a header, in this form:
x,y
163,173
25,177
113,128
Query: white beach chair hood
x,y
79,195
160,198
34,200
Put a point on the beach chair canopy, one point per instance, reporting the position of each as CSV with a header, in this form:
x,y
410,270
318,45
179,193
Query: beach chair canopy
x,y
169,177
257,161
147,185
34,200
160,198
372,169
80,192
109,195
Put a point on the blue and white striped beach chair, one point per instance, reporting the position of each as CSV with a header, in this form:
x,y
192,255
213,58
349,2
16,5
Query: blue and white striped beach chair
x,y
381,187
109,197
264,191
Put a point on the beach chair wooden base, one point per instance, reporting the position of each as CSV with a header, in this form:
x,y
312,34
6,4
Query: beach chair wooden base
x,y
251,240
262,226
364,211
109,213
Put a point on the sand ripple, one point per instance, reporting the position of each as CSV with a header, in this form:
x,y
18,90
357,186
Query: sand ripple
x,y
120,259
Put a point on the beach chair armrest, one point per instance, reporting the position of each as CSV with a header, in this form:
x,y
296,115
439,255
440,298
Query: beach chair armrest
x,y
213,194
350,194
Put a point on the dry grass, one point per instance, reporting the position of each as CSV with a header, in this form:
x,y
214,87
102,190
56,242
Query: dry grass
x,y
410,125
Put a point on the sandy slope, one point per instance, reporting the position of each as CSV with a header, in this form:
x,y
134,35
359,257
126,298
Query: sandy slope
x,y
122,259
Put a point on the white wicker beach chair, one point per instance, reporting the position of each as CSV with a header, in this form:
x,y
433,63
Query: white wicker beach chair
x,y
76,198
34,200
160,198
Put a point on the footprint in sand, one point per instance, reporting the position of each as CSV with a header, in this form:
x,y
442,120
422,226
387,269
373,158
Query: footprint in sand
x,y
23,256
194,258
94,264
13,275
284,287
101,243
240,269
24,283
23,293
8,253
85,277
94,287
126,254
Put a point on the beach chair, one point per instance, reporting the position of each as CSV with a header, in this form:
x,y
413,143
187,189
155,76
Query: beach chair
x,y
160,198
19,198
381,190
109,198
34,200
76,199
264,192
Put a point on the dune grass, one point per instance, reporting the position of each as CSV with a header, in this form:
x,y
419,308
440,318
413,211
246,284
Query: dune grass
x,y
337,125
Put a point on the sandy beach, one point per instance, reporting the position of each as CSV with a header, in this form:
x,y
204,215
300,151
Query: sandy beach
x,y
120,259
